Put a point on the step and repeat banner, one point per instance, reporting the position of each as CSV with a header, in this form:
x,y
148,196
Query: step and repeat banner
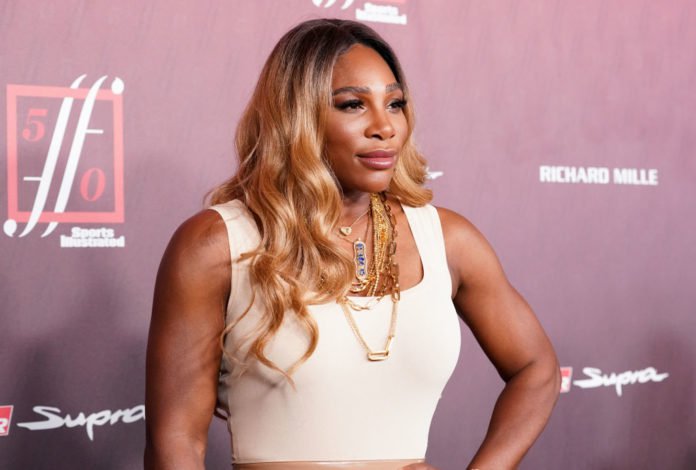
x,y
564,130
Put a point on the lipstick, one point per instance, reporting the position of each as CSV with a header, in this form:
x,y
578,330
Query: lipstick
x,y
378,159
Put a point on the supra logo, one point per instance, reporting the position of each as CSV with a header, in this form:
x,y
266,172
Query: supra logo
x,y
5,419
618,381
329,3
49,182
595,378
54,420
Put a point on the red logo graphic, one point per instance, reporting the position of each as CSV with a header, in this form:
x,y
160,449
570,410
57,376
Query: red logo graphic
x,y
5,419
64,155
566,377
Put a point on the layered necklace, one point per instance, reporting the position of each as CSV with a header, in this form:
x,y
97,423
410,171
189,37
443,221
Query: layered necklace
x,y
378,277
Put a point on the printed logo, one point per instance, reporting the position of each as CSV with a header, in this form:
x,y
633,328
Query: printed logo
x,y
5,419
65,159
597,379
54,420
329,3
432,174
380,11
598,175
566,376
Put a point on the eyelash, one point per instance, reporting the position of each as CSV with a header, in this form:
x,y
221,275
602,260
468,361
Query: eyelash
x,y
355,104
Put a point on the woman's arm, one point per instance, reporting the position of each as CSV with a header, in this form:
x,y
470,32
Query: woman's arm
x,y
512,338
183,350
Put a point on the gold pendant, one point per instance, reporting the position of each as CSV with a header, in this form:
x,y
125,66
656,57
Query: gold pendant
x,y
375,356
360,260
346,230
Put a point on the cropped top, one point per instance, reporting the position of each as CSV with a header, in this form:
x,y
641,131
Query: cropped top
x,y
343,407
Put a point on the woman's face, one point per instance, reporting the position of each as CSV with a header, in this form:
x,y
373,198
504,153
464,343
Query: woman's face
x,y
366,127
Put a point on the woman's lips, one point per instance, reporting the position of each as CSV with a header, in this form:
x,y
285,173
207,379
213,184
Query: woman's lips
x,y
379,159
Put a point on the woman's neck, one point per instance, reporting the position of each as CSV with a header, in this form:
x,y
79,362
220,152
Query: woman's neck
x,y
354,204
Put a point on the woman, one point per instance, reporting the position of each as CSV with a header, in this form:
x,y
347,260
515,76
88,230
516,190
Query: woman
x,y
332,284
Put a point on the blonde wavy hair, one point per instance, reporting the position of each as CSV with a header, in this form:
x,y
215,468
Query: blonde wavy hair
x,y
286,182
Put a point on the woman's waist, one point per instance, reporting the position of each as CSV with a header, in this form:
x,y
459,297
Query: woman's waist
x,y
329,465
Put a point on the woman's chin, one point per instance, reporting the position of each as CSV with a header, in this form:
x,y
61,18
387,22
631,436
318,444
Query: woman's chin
x,y
369,185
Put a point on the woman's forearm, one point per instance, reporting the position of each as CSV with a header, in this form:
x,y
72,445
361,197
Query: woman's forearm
x,y
519,416
179,454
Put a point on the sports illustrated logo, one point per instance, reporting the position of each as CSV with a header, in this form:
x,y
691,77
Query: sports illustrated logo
x,y
379,13
566,376
598,175
384,11
65,160
597,379
5,419
54,420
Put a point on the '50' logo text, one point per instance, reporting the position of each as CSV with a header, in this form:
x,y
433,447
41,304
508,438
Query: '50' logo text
x,y
64,155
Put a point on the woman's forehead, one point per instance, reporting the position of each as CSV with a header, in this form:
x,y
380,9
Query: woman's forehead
x,y
361,66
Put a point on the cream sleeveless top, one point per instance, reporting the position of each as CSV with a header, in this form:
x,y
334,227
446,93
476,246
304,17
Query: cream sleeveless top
x,y
344,407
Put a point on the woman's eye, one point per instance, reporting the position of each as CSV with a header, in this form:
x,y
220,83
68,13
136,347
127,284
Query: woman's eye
x,y
350,105
397,104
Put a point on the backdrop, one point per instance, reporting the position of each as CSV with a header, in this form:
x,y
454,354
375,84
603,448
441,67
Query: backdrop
x,y
564,130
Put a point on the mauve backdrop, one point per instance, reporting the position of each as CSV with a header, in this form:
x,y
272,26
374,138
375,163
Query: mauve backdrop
x,y
501,89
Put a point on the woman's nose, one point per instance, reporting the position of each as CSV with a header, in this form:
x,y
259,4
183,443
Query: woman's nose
x,y
380,126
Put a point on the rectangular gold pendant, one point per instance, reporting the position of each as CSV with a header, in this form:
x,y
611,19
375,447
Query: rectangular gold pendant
x,y
360,260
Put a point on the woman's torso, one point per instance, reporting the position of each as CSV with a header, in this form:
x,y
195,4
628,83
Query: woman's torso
x,y
343,407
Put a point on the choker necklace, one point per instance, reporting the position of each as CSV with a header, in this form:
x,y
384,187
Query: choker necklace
x,y
383,270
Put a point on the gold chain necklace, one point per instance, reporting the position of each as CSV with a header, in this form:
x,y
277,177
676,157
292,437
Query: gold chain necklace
x,y
385,267
373,355
348,229
359,256
368,275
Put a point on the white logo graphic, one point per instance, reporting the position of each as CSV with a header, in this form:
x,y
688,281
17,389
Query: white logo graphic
x,y
432,174
374,12
598,175
597,379
381,14
54,420
330,3
92,238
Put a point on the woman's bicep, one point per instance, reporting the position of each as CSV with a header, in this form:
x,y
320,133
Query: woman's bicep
x,y
505,327
183,353
500,319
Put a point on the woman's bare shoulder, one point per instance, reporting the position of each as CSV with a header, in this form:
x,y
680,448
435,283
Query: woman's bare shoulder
x,y
203,235
457,229
199,251
469,254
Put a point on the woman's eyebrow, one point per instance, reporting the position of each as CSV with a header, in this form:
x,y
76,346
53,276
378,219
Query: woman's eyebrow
x,y
393,87
364,90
